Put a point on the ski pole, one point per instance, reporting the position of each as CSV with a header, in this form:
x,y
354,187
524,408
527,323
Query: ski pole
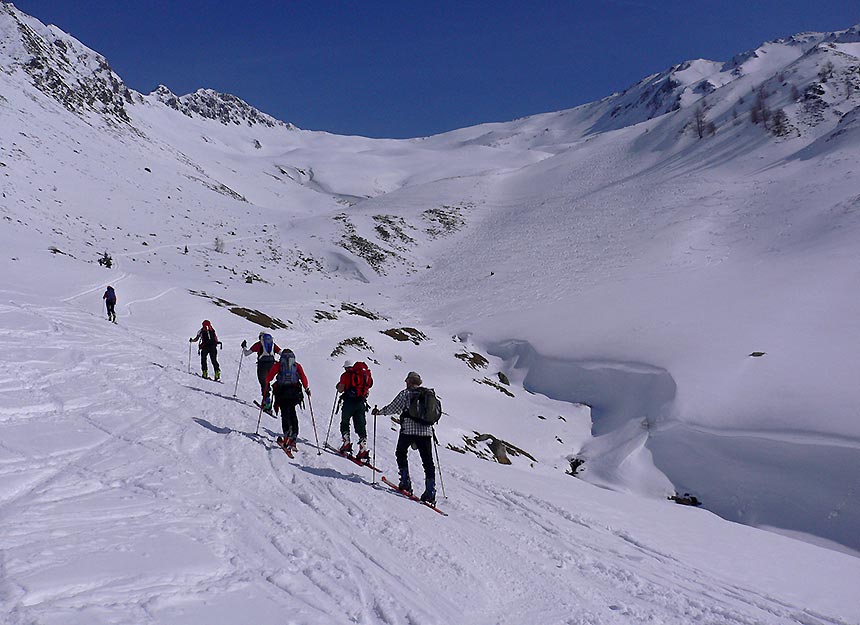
x,y
189,356
331,420
241,356
375,410
439,464
314,423
256,432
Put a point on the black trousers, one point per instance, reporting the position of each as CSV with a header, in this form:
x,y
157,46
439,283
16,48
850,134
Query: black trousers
x,y
289,419
425,448
263,367
212,352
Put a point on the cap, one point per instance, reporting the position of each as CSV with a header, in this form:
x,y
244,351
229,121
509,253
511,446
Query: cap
x,y
414,377
347,364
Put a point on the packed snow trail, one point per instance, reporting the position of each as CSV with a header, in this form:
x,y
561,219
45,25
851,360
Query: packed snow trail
x,y
132,492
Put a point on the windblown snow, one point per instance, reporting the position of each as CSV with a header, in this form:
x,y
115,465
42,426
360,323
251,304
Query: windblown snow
x,y
656,292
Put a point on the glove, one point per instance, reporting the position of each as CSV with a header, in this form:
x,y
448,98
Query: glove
x,y
375,411
191,340
244,344
308,391
219,344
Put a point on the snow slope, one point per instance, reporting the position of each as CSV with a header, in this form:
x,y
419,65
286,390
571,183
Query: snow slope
x,y
588,283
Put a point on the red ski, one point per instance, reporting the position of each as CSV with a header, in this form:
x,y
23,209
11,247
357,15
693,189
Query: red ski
x,y
403,493
361,463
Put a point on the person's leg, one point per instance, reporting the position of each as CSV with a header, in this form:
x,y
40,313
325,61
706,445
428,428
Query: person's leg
x,y
204,367
425,448
346,412
293,421
400,454
359,422
213,355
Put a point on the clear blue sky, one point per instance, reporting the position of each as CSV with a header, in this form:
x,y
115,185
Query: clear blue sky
x,y
406,68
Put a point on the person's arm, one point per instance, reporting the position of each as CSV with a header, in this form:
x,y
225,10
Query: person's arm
x,y
344,381
303,378
397,405
196,337
255,348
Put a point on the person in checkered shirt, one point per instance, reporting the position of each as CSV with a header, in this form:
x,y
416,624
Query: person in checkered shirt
x,y
412,434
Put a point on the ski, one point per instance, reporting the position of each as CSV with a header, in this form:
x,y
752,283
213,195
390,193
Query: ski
x,y
360,463
412,497
287,450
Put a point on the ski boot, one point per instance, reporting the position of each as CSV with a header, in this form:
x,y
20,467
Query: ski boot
x,y
217,375
405,483
346,448
290,444
267,404
205,374
363,452
429,494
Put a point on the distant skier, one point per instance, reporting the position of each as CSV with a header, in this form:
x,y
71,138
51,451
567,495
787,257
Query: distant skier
x,y
415,434
354,384
265,348
289,379
209,344
110,302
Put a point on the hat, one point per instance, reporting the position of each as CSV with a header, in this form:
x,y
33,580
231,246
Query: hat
x,y
207,324
347,364
414,377
286,353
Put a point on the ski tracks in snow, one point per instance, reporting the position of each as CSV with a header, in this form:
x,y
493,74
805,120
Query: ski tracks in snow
x,y
147,498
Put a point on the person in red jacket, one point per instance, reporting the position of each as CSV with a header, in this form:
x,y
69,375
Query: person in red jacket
x,y
289,379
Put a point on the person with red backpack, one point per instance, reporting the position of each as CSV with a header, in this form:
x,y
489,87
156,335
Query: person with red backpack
x,y
354,386
265,348
208,346
289,379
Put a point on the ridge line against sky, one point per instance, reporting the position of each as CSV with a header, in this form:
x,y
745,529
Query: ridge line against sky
x,y
398,70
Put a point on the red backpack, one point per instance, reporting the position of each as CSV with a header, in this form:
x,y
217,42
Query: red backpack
x,y
360,381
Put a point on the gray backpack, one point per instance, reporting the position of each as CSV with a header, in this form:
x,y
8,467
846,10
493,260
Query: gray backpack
x,y
424,406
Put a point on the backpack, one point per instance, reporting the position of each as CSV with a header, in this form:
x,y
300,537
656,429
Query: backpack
x,y
424,406
267,346
360,381
208,338
288,387
110,295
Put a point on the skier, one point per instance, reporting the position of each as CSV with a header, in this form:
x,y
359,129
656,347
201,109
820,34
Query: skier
x,y
110,302
265,348
412,434
354,386
289,379
209,344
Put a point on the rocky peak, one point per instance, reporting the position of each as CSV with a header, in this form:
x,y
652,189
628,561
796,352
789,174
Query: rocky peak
x,y
60,66
223,107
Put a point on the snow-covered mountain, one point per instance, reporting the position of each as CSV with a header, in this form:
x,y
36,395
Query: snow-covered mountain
x,y
584,288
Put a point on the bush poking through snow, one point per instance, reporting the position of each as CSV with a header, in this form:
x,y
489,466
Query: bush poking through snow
x,y
473,359
324,315
356,342
105,260
575,465
495,385
405,334
686,500
355,309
